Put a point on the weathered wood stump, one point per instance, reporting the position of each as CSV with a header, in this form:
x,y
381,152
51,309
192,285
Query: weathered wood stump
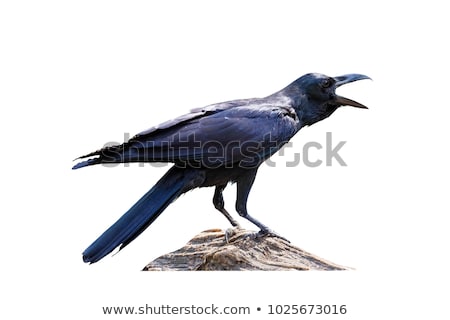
x,y
210,250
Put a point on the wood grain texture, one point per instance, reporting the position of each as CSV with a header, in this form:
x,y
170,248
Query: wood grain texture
x,y
210,250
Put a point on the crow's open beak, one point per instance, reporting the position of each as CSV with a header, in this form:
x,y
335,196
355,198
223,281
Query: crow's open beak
x,y
347,79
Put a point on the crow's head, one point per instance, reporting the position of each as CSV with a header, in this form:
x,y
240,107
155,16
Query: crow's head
x,y
316,98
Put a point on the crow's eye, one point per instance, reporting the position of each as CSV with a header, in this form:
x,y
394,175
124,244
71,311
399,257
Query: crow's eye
x,y
325,83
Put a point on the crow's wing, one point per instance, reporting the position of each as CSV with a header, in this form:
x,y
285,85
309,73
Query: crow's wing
x,y
213,136
196,113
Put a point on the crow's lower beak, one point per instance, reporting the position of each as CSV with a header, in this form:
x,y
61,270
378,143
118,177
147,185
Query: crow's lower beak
x,y
341,80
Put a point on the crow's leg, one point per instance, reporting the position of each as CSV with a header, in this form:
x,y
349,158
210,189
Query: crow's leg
x,y
244,185
219,204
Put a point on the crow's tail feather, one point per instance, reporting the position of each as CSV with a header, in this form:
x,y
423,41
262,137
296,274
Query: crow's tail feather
x,y
175,182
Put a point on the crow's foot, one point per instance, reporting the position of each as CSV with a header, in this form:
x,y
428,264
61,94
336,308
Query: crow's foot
x,y
231,232
270,233
258,235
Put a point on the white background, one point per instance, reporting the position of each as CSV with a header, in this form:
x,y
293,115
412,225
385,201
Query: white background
x,y
76,75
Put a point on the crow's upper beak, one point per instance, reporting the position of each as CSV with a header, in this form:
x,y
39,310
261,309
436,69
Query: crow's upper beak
x,y
347,79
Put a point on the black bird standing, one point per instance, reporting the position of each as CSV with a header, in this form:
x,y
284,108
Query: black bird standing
x,y
215,145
